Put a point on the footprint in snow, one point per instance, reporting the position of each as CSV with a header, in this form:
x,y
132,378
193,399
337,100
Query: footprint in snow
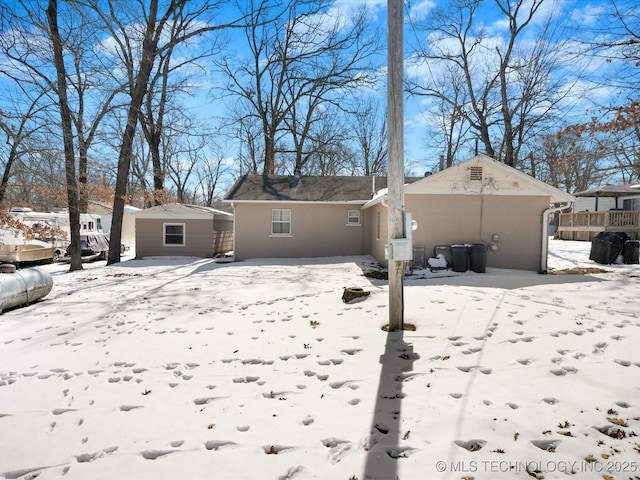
x,y
547,445
471,445
128,408
337,448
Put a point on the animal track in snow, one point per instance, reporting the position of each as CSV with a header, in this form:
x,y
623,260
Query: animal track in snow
x,y
332,361
247,379
471,351
467,369
128,408
548,445
155,454
351,351
218,444
337,448
560,372
471,445
205,400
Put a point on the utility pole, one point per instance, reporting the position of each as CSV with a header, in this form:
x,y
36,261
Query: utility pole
x,y
395,156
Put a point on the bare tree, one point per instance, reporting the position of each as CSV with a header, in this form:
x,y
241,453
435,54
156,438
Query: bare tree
x,y
370,132
301,57
617,42
162,28
28,61
67,134
569,160
501,87
209,173
18,127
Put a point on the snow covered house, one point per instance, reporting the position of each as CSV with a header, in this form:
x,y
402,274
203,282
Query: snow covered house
x,y
477,201
183,230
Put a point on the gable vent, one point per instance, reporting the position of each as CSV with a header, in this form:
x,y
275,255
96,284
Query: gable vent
x,y
475,173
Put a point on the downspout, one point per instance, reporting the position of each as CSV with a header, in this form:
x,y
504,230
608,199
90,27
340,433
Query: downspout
x,y
545,235
233,245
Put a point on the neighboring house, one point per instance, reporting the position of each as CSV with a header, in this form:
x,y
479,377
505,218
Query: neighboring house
x,y
477,201
607,208
183,230
608,197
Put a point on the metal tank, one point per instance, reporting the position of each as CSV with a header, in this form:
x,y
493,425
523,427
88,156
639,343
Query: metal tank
x,y
23,287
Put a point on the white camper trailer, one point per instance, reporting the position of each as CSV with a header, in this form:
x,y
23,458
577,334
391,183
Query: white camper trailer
x,y
16,248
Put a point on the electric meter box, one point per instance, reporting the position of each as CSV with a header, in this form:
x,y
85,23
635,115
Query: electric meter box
x,y
399,249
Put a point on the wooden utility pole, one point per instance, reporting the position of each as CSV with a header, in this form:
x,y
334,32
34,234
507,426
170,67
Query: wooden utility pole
x,y
395,157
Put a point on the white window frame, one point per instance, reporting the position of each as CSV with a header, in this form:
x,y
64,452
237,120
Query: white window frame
x,y
351,217
281,222
164,234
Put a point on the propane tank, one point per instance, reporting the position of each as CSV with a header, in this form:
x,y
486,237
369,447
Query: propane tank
x,y
22,287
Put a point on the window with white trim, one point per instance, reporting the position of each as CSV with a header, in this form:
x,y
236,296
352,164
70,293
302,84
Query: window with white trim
x,y
174,234
281,222
353,217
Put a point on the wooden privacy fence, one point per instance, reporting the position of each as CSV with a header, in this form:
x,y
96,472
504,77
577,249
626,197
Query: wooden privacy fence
x,y
586,225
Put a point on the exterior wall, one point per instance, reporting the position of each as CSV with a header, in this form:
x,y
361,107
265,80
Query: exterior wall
x,y
583,204
222,235
454,219
317,230
150,238
377,231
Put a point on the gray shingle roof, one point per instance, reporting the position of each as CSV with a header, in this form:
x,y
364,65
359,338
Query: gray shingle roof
x,y
255,187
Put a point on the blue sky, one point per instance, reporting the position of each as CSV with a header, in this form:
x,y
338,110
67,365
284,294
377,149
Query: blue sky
x,y
581,21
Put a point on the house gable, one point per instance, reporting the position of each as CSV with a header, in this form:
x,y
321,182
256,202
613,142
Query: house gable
x,y
482,175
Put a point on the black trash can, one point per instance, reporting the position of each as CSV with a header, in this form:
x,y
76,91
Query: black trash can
x,y
631,252
460,258
607,246
478,257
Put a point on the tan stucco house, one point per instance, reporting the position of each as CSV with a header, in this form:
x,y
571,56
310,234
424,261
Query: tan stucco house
x,y
477,201
183,230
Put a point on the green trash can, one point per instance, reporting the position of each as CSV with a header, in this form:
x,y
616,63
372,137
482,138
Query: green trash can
x,y
478,257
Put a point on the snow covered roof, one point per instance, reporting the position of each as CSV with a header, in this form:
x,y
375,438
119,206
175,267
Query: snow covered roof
x,y
181,210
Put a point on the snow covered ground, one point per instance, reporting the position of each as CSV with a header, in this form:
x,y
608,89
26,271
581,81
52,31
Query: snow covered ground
x,y
170,368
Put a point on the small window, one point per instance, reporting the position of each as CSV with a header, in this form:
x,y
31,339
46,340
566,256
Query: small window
x,y
378,226
174,234
353,217
281,221
475,173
